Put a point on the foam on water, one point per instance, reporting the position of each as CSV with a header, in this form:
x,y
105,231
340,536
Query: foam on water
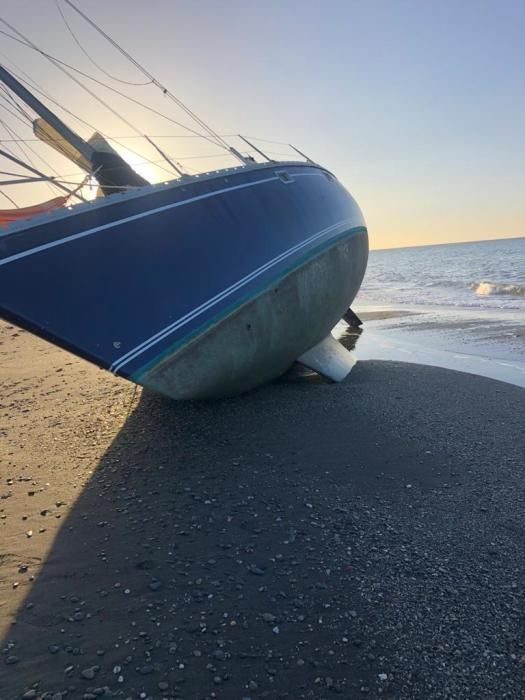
x,y
485,288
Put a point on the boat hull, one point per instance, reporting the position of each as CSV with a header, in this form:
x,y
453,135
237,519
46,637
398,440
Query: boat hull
x,y
260,340
198,289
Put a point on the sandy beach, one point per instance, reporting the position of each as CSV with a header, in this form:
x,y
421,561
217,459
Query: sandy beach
x,y
305,541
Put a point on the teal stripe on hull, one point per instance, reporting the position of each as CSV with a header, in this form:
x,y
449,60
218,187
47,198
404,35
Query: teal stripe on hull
x,y
301,260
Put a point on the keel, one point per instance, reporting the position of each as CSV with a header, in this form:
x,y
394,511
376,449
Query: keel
x,y
329,358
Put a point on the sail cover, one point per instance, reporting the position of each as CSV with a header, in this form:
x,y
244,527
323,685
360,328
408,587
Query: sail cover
x,y
7,216
110,169
46,133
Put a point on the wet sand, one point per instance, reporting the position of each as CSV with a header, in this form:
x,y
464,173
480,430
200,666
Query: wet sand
x,y
385,314
306,541
490,331
486,342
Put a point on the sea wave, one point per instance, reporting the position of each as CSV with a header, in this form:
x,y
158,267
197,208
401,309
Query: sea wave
x,y
484,288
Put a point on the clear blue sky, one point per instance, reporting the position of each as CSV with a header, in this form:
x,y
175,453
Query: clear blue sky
x,y
417,106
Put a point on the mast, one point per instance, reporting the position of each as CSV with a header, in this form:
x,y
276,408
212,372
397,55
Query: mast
x,y
112,171
51,118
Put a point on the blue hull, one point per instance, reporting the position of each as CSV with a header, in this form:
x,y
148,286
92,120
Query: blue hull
x,y
127,281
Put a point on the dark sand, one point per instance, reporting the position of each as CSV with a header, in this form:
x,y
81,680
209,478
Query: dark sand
x,y
305,541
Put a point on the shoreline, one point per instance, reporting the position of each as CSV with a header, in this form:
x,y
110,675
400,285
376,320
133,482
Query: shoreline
x,y
484,342
304,540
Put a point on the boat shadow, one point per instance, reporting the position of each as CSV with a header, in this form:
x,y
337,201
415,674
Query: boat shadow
x,y
203,533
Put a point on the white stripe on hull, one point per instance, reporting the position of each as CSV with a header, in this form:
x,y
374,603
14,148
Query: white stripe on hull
x,y
141,215
160,335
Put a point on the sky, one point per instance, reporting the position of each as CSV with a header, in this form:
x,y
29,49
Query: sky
x,y
417,106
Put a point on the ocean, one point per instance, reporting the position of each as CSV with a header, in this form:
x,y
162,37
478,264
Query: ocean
x,y
481,275
459,305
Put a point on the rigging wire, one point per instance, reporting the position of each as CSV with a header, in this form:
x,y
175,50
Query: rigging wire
x,y
55,60
85,52
38,88
30,148
34,86
64,177
13,133
149,162
4,172
213,137
19,145
6,148
279,143
25,154
157,84
193,133
39,173
216,139
13,114
152,136
10,199
15,103
57,63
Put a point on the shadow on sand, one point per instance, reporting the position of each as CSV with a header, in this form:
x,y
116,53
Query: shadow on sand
x,y
221,549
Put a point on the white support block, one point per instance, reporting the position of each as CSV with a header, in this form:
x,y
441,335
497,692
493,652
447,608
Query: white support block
x,y
329,358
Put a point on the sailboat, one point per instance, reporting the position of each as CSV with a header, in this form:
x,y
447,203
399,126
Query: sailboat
x,y
204,286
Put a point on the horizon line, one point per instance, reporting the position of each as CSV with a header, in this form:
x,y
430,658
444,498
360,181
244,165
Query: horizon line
x,y
428,245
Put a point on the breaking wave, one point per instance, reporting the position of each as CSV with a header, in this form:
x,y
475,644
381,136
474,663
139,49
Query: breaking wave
x,y
483,288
